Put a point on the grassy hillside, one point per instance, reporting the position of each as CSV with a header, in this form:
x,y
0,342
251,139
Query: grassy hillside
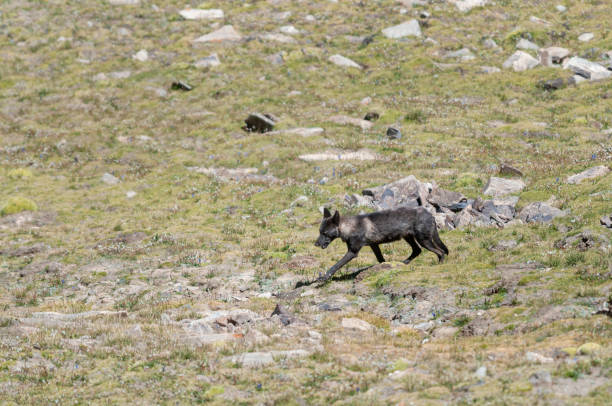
x,y
128,275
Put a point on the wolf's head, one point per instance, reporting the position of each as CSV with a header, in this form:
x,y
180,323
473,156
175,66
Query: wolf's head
x,y
328,231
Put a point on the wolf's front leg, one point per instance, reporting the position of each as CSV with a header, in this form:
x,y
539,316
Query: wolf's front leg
x,y
345,259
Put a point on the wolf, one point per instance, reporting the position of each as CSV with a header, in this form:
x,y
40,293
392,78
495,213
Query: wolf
x,y
415,225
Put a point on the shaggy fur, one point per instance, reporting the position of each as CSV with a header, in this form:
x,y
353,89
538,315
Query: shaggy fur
x,y
415,225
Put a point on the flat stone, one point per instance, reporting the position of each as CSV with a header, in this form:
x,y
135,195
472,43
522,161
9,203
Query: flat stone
x,y
302,131
208,62
282,38
540,212
289,30
520,61
254,359
505,169
225,33
201,14
481,372
552,84
526,44
356,324
124,2
464,54
340,60
466,5
361,155
490,43
445,332
409,28
501,186
586,37
235,174
538,358
590,173
346,120
552,56
539,20
489,69
109,179
141,56
587,69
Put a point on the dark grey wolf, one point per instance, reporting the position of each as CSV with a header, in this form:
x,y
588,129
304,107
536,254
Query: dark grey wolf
x,y
415,225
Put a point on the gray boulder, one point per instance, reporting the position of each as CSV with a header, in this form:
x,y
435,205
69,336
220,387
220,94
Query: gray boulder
x,y
502,186
590,173
409,28
520,61
552,56
587,69
540,212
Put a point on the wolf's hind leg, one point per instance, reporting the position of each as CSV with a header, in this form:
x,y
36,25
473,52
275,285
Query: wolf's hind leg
x,y
427,243
416,250
379,255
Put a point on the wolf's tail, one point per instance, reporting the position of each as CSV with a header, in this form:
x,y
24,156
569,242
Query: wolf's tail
x,y
439,242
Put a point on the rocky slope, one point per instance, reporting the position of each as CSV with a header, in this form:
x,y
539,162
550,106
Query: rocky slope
x,y
164,167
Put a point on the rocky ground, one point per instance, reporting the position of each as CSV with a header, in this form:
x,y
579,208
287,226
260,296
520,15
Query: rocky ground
x,y
164,168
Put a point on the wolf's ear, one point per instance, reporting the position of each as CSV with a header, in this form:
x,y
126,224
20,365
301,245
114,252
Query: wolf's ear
x,y
336,218
326,213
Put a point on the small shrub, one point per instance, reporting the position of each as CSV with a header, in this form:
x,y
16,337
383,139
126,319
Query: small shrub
x,y
416,116
17,204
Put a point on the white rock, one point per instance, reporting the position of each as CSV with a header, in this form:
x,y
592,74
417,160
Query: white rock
x,y
361,155
500,186
526,44
340,60
489,69
124,74
535,357
552,56
481,372
520,61
302,132
366,100
588,69
560,8
253,359
590,173
282,38
289,29
130,194
124,2
467,5
356,324
346,120
210,61
409,28
586,37
577,79
141,55
490,43
538,20
225,33
464,54
109,179
201,14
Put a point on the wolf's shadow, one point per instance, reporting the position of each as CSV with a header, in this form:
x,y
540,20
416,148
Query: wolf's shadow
x,y
339,278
